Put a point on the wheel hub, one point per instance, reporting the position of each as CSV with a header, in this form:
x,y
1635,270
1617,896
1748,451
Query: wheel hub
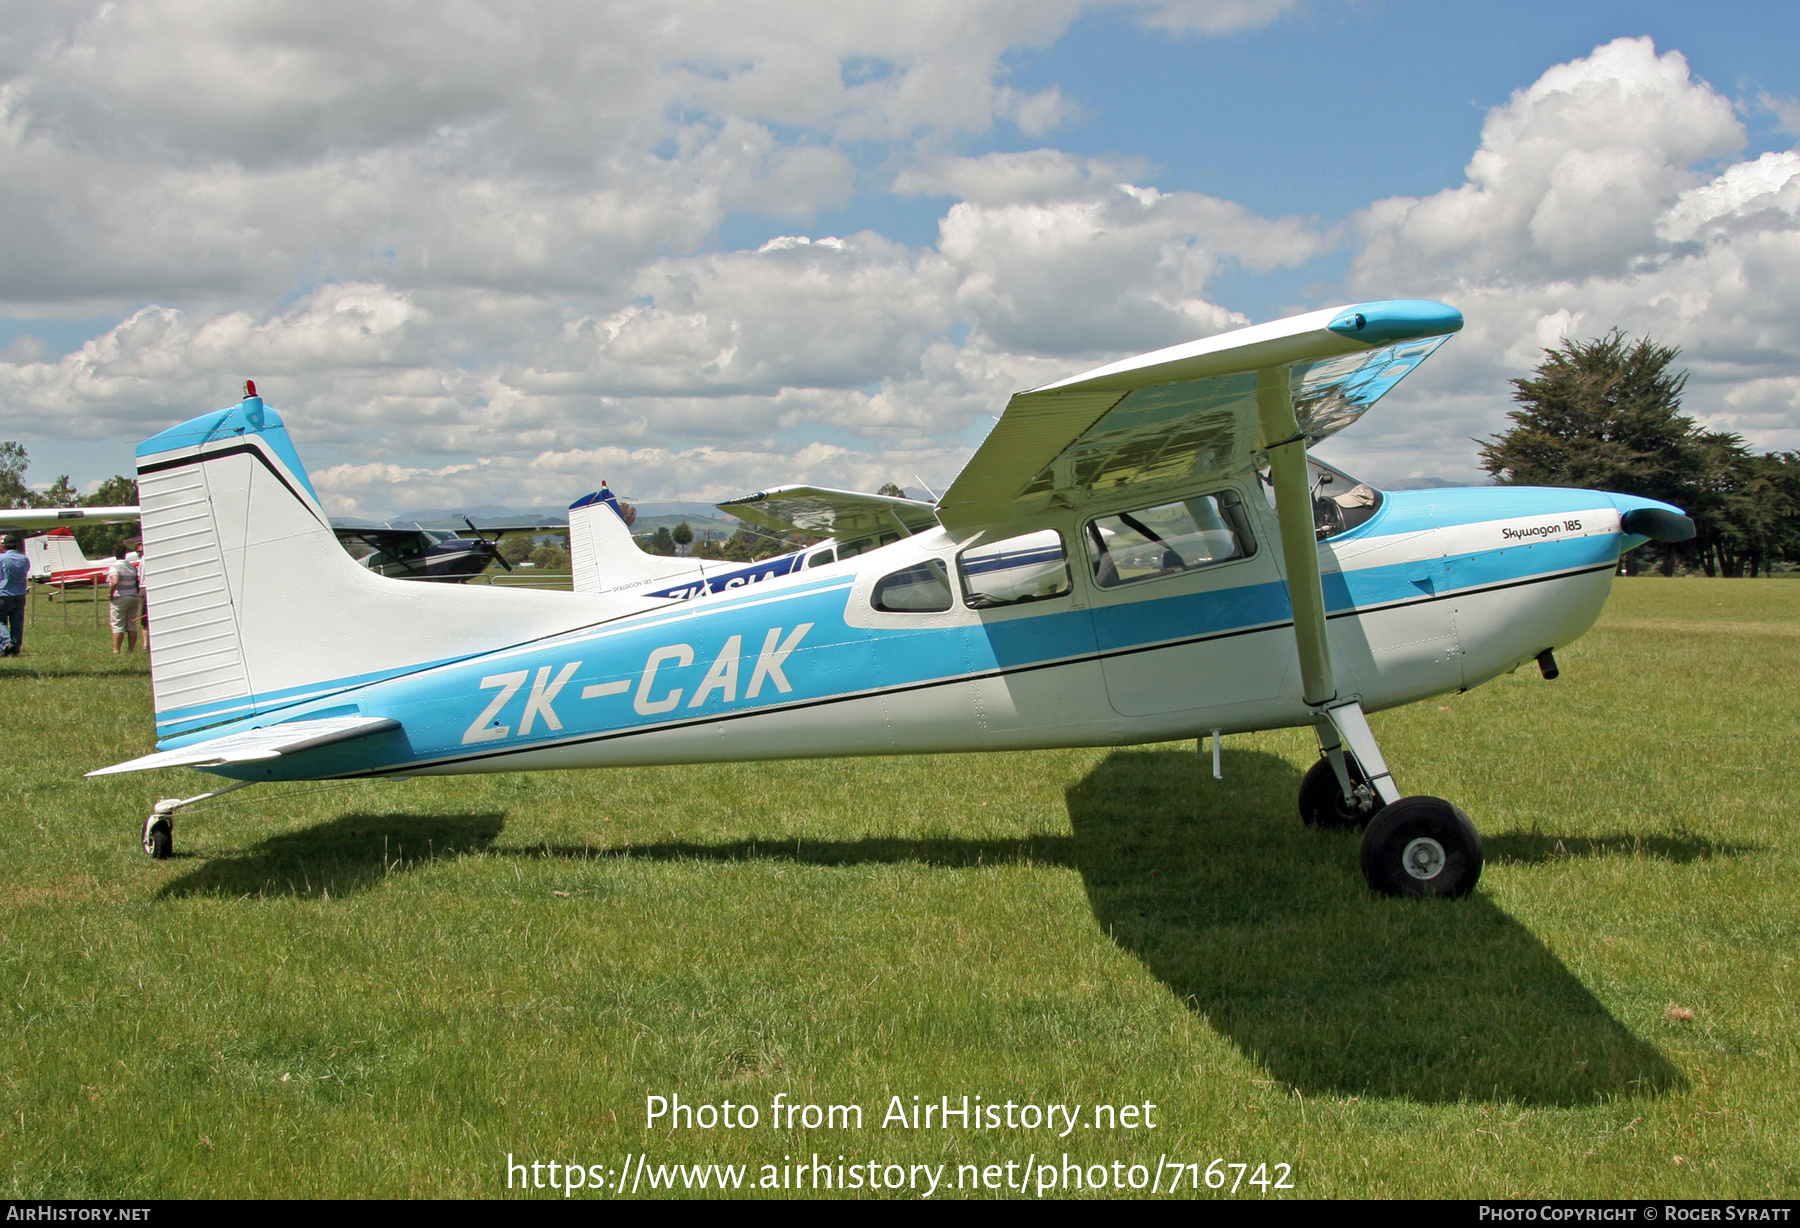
x,y
1423,858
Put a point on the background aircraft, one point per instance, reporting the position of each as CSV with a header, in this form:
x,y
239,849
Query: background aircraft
x,y
1109,568
605,558
56,559
416,553
407,552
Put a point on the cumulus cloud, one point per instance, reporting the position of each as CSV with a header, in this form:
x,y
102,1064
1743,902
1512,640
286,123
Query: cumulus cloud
x,y
473,258
1057,255
466,239
199,147
836,313
1215,16
1589,206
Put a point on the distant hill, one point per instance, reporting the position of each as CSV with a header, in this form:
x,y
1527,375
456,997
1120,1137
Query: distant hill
x,y
1425,484
483,514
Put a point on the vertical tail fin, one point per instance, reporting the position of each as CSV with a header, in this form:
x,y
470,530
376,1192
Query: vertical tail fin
x,y
56,551
603,555
256,606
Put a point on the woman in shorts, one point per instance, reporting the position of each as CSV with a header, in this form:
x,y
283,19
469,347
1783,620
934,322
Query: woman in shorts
x,y
126,591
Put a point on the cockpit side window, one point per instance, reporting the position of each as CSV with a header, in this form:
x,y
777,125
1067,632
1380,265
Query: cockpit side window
x,y
1339,502
923,588
1169,538
1031,567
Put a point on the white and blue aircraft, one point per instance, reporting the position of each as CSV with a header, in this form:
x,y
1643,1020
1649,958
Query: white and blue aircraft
x,y
1139,553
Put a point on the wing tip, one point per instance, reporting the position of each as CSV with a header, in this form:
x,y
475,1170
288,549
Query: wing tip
x,y
1391,320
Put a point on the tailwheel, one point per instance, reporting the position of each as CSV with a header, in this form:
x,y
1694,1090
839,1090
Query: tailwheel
x,y
1421,847
1322,800
159,836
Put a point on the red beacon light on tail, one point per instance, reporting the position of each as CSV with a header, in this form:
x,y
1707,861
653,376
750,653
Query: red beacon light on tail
x,y
249,389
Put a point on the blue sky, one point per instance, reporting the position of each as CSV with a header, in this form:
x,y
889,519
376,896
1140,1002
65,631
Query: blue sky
x,y
537,271
1332,107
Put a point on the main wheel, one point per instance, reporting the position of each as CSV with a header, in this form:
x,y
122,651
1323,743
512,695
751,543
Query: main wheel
x,y
159,839
1421,846
1322,802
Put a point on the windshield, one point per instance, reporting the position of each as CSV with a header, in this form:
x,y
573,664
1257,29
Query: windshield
x,y
1340,502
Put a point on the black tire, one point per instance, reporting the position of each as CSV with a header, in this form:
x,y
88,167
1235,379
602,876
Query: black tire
x,y
159,841
1422,847
1322,802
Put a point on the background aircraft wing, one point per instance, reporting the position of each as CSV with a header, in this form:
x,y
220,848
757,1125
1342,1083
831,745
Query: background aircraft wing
x,y
256,745
52,517
829,513
1187,414
389,540
499,528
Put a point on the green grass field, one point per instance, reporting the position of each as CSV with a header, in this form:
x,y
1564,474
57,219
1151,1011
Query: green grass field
x,y
383,989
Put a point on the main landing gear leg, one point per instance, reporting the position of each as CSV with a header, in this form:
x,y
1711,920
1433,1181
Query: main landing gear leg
x,y
1418,846
1350,782
159,828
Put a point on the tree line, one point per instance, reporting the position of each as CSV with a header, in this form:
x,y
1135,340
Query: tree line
x,y
1605,414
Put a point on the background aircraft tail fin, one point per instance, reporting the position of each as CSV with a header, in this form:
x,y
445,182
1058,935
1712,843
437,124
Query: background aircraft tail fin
x,y
255,606
56,551
605,559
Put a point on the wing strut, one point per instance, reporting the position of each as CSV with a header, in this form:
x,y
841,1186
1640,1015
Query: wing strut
x,y
1341,723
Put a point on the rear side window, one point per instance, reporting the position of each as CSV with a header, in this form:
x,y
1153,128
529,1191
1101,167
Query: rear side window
x,y
1168,539
1027,568
923,588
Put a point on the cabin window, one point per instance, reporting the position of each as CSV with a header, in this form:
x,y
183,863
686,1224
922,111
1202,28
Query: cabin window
x,y
923,588
1028,568
820,559
1169,538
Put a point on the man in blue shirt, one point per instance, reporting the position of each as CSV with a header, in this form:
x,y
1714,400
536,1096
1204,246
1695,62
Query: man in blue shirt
x,y
14,568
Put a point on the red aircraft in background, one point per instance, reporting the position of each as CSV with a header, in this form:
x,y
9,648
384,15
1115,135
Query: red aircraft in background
x,y
56,559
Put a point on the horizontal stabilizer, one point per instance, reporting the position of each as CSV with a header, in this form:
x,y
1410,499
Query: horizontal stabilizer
x,y
257,745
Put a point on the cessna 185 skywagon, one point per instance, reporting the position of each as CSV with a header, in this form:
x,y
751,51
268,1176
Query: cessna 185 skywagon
x,y
1135,554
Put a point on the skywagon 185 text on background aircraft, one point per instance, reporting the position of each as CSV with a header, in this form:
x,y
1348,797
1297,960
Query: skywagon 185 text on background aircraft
x,y
1140,553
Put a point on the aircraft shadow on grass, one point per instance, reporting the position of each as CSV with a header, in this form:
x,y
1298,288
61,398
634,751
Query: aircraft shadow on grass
x,y
1259,924
1266,928
347,855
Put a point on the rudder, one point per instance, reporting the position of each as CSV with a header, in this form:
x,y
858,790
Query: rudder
x,y
605,559
254,604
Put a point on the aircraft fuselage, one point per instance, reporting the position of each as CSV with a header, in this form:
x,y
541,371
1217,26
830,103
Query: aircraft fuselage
x,y
1438,592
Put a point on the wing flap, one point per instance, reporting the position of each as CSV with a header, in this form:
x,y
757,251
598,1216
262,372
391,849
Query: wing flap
x,y
257,745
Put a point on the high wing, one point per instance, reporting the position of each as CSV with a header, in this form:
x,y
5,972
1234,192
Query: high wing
x,y
830,513
257,745
1189,414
